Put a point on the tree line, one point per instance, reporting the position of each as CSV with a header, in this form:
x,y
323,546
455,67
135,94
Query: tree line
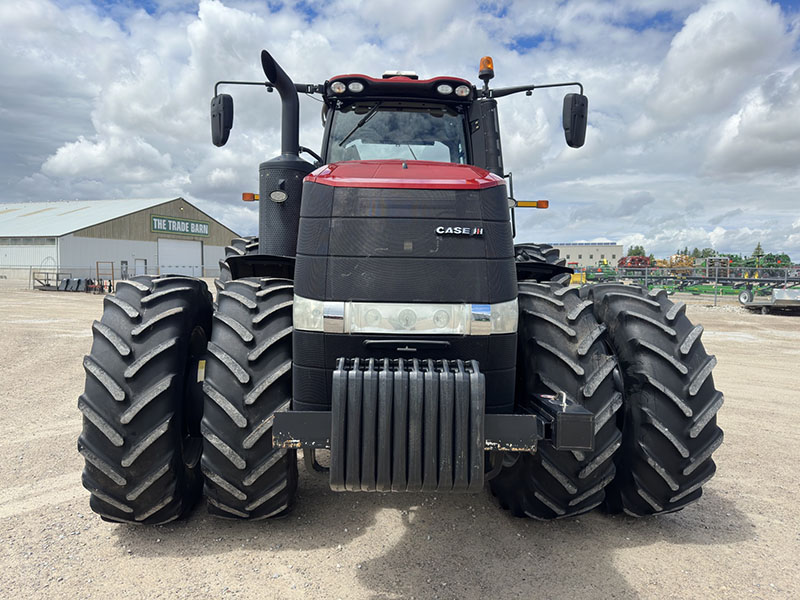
x,y
636,250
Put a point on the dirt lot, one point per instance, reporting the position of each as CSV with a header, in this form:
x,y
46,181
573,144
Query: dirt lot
x,y
741,540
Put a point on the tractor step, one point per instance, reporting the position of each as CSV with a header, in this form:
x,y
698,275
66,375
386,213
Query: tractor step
x,y
409,425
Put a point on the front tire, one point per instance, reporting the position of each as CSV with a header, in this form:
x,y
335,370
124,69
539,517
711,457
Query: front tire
x,y
141,405
248,380
669,425
561,349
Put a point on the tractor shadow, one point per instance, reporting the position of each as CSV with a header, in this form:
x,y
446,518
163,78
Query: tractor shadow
x,y
466,549
446,546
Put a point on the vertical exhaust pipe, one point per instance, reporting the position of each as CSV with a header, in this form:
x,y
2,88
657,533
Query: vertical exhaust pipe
x,y
290,104
280,180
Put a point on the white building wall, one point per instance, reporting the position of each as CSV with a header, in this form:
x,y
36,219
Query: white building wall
x,y
79,255
588,254
29,256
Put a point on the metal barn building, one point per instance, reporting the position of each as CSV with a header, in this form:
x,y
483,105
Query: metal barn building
x,y
137,236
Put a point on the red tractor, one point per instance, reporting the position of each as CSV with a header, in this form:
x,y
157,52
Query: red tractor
x,y
385,317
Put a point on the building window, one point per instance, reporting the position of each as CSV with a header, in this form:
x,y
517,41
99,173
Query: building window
x,y
580,256
27,241
567,255
602,256
613,256
591,256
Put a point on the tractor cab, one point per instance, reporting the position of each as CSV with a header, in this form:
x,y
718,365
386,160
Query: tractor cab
x,y
397,117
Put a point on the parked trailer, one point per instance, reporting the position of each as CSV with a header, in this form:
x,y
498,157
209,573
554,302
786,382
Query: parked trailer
x,y
780,301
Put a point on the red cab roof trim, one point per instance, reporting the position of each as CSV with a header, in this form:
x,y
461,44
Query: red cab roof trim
x,y
417,174
401,79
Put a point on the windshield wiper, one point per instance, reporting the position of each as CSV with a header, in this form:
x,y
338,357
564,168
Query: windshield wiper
x,y
362,122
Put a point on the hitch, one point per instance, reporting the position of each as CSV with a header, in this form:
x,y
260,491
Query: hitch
x,y
569,426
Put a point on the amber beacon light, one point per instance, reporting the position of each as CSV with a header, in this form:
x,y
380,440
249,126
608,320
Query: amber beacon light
x,y
486,71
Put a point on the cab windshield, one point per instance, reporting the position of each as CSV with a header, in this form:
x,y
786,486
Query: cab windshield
x,y
397,130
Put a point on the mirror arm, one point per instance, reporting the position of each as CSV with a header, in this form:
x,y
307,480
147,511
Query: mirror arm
x,y
303,88
500,92
266,84
310,88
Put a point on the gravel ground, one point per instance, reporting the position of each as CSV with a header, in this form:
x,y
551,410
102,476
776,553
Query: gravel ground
x,y
742,539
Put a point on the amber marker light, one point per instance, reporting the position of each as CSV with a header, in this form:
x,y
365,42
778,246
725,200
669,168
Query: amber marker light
x,y
533,203
249,197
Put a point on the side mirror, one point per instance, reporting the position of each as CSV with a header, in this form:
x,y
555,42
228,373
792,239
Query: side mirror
x,y
575,108
222,118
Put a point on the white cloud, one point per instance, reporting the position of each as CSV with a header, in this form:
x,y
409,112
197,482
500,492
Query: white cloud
x,y
764,134
115,159
715,57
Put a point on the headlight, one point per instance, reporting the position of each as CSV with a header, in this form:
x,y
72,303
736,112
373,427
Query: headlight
x,y
374,317
355,87
463,91
337,87
410,318
444,89
505,316
307,314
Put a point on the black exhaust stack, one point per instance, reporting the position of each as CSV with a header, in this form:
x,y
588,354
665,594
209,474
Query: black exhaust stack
x,y
281,178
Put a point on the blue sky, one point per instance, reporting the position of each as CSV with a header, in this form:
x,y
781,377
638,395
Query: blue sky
x,y
693,140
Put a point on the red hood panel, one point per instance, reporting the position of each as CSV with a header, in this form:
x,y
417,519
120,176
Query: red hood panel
x,y
418,174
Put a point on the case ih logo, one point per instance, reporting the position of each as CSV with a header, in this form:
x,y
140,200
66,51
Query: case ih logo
x,y
473,231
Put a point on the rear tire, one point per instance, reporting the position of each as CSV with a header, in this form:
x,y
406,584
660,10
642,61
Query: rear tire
x,y
745,296
249,379
141,404
669,425
238,247
561,348
540,253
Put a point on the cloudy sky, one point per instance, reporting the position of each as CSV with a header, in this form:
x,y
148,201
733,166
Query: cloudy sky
x,y
694,124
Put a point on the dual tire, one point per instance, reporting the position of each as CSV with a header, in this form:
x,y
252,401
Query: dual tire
x,y
162,391
635,360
